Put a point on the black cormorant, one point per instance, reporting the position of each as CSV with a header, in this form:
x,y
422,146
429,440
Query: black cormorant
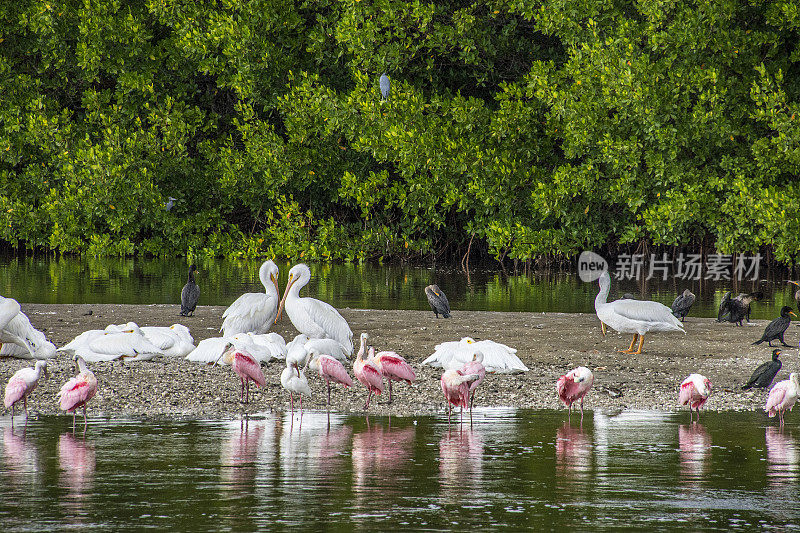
x,y
765,373
190,294
682,304
438,301
776,328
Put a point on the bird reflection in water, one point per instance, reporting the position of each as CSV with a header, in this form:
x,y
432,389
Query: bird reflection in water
x,y
76,457
573,454
694,448
460,462
380,456
21,457
239,455
782,456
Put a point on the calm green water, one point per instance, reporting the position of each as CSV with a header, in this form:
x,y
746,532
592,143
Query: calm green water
x,y
71,280
513,469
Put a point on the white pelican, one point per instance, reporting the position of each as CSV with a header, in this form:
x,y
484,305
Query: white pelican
x,y
633,316
254,311
261,347
315,318
301,347
172,341
497,358
15,328
112,343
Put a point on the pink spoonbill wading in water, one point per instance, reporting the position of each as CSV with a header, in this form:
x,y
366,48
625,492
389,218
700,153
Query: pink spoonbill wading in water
x,y
367,372
77,391
21,385
574,386
393,367
694,392
782,397
246,367
330,370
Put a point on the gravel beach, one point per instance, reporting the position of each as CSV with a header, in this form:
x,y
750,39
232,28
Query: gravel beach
x,y
550,344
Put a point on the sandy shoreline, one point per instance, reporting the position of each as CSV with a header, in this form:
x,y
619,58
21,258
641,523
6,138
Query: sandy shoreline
x,y
550,344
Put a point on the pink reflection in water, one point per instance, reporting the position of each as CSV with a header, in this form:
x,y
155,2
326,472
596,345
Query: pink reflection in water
x,y
21,457
76,458
379,454
694,448
573,453
460,461
782,456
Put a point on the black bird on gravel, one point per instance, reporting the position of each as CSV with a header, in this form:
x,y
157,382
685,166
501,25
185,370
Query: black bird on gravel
x,y
190,294
765,373
776,328
438,301
737,309
682,304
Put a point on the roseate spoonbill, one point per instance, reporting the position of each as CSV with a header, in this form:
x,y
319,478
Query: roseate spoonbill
x,y
190,294
310,316
254,311
294,380
775,329
694,392
22,384
455,387
782,397
765,373
682,304
367,372
77,391
438,301
386,86
393,367
633,316
246,367
15,328
574,386
497,358
329,369
475,366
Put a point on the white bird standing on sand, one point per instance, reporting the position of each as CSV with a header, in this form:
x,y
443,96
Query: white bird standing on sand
x,y
497,358
294,380
633,316
315,318
15,328
254,311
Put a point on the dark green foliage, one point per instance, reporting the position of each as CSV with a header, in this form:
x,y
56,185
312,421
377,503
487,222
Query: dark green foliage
x,y
532,127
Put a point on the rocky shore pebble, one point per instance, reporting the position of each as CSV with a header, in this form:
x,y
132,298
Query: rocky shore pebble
x,y
550,344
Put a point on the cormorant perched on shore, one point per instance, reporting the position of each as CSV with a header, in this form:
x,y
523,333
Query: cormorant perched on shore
x,y
682,304
776,328
796,294
765,373
190,294
438,301
737,309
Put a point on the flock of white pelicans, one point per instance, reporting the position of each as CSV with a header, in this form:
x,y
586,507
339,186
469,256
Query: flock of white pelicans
x,y
323,345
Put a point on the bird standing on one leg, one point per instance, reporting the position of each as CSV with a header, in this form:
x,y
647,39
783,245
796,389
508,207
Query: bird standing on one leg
x,y
246,367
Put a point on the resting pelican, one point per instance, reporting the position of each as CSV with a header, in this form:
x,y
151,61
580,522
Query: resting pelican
x,y
15,328
300,349
313,317
254,311
262,348
112,343
497,358
633,316
172,341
